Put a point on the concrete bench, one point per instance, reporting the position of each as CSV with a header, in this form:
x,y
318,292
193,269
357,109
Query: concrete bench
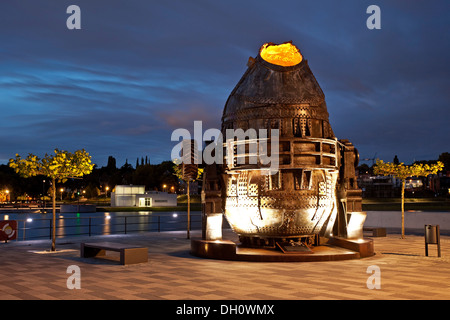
x,y
129,254
376,232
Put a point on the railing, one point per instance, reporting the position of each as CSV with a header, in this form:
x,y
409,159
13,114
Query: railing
x,y
41,228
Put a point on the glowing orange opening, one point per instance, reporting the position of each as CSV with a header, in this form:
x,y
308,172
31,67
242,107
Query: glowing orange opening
x,y
285,54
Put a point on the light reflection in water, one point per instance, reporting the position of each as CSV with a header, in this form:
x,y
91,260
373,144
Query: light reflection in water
x,y
107,224
60,226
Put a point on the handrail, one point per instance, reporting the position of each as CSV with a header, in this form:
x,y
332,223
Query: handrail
x,y
116,225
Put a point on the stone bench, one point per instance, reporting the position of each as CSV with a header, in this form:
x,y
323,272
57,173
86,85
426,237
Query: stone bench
x,y
129,254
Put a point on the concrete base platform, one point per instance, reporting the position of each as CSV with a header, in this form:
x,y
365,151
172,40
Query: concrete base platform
x,y
334,249
363,246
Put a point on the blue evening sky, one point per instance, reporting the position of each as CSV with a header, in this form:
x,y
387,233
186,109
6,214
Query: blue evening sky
x,y
139,69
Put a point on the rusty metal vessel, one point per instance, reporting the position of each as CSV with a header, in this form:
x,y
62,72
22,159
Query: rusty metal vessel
x,y
314,188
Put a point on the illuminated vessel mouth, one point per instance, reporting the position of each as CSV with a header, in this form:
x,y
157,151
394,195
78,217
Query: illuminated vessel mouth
x,y
285,54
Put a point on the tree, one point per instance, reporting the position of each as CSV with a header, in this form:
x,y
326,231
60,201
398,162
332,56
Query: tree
x,y
187,173
111,163
364,168
396,161
58,167
402,172
445,158
92,191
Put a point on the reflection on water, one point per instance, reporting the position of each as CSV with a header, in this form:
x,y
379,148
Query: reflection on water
x,y
38,226
107,224
60,223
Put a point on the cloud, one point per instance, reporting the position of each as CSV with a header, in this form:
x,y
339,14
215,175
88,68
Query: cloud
x,y
137,71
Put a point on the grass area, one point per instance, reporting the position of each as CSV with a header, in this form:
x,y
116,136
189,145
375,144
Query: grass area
x,y
394,204
382,204
195,198
194,207
104,205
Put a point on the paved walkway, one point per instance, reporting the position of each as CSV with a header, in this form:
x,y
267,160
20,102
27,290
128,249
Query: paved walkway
x,y
27,271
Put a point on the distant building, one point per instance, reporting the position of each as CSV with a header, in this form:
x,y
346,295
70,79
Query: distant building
x,y
136,196
413,183
444,185
390,186
379,186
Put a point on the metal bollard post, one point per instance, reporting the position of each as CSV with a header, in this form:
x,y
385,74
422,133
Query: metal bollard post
x,y
432,236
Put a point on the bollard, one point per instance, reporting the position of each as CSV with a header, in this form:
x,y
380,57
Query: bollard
x,y
432,237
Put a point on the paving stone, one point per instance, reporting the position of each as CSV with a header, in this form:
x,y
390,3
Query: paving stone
x,y
171,273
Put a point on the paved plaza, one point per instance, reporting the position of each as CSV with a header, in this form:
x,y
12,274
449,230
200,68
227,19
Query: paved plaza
x,y
28,271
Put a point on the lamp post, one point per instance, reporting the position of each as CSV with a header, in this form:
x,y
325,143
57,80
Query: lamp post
x,y
61,190
78,201
43,195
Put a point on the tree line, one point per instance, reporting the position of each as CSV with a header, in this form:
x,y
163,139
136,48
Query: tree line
x,y
443,157
152,176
